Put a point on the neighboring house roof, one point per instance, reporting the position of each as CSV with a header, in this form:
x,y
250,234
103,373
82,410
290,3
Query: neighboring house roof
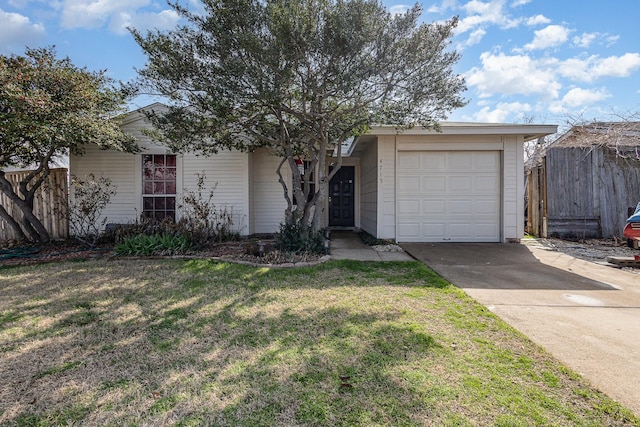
x,y
607,134
55,163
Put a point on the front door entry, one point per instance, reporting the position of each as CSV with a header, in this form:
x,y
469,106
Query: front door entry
x,y
341,198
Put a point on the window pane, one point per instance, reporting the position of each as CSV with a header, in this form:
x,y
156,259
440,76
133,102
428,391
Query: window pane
x,y
148,187
159,216
171,160
171,203
147,203
148,173
170,174
158,160
171,187
158,203
158,188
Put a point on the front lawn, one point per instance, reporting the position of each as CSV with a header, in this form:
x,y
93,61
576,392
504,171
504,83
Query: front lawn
x,y
157,342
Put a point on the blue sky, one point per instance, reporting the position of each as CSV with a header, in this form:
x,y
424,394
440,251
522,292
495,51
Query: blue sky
x,y
538,61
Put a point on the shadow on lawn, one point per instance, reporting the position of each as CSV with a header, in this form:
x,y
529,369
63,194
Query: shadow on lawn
x,y
204,343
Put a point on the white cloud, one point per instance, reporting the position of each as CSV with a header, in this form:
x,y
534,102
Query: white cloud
x,y
611,40
550,36
95,13
593,67
116,14
446,5
517,3
398,9
474,38
501,112
17,31
617,66
578,98
489,13
514,75
537,20
585,39
164,20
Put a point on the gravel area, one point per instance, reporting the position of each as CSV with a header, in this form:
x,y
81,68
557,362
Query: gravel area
x,y
593,250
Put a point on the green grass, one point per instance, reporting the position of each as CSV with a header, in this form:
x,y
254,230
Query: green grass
x,y
347,343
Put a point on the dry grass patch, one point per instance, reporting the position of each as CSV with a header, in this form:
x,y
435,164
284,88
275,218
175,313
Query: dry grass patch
x,y
200,343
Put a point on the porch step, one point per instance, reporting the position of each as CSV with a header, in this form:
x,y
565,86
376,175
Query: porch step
x,y
624,261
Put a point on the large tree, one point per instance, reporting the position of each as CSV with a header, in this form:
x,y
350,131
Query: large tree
x,y
298,76
48,108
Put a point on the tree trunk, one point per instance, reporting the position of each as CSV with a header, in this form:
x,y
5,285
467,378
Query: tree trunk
x,y
12,222
31,227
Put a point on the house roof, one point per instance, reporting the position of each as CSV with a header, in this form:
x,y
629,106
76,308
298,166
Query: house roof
x,y
138,114
529,131
607,134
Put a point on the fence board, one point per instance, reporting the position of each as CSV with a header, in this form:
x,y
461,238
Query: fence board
x,y
50,204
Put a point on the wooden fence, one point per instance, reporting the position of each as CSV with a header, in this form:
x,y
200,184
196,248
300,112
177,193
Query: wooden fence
x,y
50,204
581,193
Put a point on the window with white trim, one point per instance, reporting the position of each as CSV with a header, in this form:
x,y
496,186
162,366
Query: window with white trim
x,y
159,172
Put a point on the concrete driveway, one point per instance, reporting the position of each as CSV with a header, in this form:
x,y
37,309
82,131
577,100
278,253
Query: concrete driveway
x,y
587,315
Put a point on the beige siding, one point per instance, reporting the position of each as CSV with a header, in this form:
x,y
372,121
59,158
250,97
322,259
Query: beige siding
x,y
268,203
369,189
227,174
119,168
387,187
228,171
513,188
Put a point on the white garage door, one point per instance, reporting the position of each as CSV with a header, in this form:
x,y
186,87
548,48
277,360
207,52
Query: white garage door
x,y
449,196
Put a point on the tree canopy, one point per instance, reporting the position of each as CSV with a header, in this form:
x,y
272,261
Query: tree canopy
x,y
299,77
48,108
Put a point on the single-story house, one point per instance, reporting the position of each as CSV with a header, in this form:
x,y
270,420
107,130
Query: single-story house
x,y
584,183
462,184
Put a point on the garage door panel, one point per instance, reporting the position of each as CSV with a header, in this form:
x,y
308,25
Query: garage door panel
x,y
434,207
486,161
460,161
431,229
409,162
409,183
486,184
410,207
433,184
488,208
460,183
436,161
407,229
459,196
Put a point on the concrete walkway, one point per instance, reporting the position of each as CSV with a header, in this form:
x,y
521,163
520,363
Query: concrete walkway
x,y
586,315
348,245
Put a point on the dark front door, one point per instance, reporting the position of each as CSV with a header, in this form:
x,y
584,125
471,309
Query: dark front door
x,y
341,203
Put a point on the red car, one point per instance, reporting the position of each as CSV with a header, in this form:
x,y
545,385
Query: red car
x,y
632,229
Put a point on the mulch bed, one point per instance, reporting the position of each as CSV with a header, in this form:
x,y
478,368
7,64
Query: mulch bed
x,y
71,250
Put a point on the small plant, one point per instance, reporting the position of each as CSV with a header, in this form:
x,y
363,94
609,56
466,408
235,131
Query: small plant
x,y
156,244
370,240
202,220
297,238
91,196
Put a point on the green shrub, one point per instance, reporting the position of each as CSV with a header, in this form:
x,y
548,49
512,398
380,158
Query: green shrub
x,y
156,244
202,220
298,238
370,240
91,197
